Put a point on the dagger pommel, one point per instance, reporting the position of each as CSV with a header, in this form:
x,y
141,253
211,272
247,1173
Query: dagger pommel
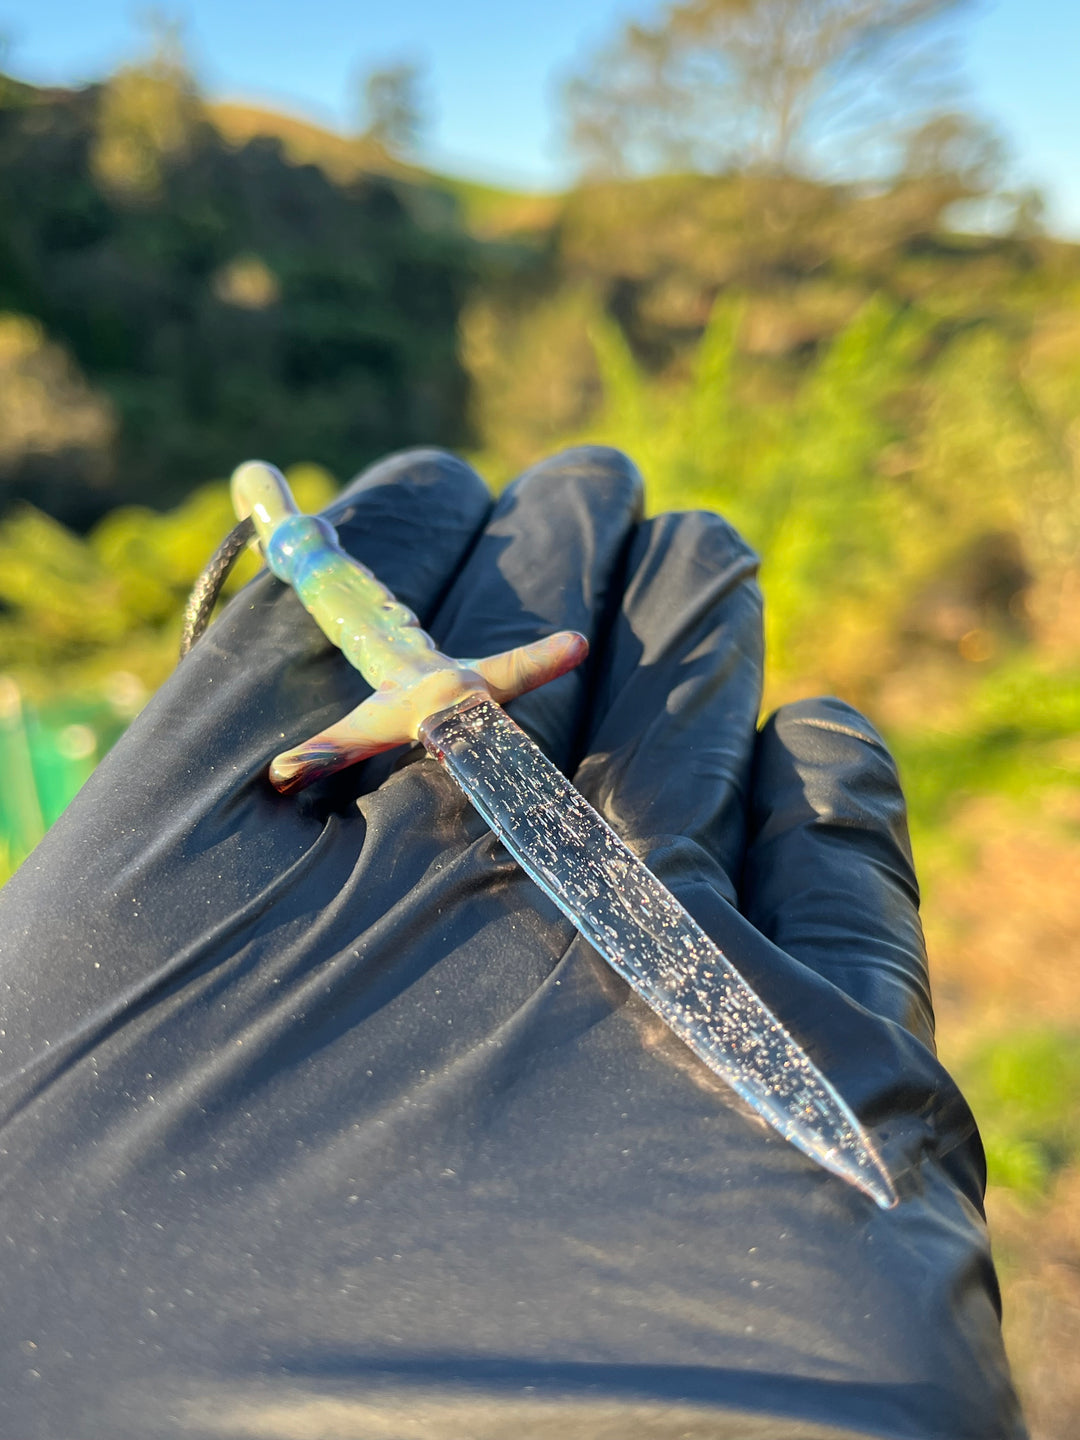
x,y
378,635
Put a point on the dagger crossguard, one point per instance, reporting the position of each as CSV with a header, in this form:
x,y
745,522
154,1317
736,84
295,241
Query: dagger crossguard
x,y
378,635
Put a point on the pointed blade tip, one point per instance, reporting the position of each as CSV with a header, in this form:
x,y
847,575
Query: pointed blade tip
x,y
867,1174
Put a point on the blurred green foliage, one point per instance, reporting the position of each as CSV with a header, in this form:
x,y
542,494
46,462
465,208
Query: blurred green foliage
x,y
89,627
76,610
1015,739
903,489
884,405
170,302
1024,1089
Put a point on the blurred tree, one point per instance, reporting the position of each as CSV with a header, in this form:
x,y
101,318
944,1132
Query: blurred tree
x,y
216,300
11,90
1029,212
766,84
951,158
953,146
393,112
148,115
50,417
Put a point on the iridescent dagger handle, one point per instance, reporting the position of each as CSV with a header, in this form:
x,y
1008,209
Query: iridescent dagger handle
x,y
378,635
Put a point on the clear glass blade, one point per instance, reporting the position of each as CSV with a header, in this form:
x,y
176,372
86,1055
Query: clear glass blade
x,y
643,932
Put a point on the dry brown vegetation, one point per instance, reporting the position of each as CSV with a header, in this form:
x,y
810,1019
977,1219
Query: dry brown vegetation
x,y
1002,931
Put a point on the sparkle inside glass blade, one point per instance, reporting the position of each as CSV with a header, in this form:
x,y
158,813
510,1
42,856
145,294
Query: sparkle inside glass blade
x,y
644,933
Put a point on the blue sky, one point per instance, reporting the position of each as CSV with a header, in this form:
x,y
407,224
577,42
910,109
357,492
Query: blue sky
x,y
493,69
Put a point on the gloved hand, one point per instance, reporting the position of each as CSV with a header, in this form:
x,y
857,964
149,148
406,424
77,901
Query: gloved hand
x,y
320,1120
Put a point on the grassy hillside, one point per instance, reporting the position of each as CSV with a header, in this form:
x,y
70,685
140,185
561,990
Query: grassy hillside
x,y
486,211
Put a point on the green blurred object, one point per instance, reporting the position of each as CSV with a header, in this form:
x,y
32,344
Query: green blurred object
x,y
21,821
45,758
1025,1091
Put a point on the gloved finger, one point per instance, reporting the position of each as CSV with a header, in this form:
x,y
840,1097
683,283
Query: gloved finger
x,y
178,830
677,699
829,875
412,518
548,560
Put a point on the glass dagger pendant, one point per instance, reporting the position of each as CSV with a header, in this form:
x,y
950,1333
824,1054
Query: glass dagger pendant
x,y
455,709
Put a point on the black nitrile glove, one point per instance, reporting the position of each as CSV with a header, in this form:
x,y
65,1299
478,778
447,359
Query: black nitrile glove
x,y
320,1121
